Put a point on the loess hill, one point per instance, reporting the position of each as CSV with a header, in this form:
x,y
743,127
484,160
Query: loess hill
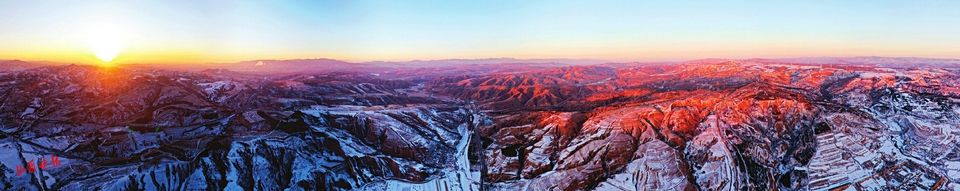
x,y
791,124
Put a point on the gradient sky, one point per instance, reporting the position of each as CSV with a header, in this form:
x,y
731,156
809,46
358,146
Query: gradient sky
x,y
220,31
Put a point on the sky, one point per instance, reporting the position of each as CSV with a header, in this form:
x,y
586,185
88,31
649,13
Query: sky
x,y
195,31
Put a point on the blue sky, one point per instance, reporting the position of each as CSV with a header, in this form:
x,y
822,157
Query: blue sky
x,y
184,31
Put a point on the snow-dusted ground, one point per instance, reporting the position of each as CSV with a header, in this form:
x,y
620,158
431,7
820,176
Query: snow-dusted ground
x,y
721,126
459,178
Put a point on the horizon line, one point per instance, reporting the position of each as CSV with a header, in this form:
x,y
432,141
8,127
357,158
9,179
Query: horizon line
x,y
600,60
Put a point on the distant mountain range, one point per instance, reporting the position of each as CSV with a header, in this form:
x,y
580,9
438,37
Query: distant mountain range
x,y
325,64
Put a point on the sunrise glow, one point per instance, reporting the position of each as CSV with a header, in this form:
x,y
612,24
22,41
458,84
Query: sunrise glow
x,y
202,32
492,95
105,48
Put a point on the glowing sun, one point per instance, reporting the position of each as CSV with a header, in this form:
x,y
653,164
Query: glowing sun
x,y
105,42
106,49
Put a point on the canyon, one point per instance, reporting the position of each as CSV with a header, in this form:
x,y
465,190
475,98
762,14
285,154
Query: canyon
x,y
864,123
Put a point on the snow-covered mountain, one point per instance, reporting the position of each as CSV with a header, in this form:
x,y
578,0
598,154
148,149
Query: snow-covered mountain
x,y
758,124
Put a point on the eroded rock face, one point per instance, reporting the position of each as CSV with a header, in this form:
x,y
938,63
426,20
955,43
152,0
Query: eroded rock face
x,y
704,125
531,149
741,126
657,167
154,130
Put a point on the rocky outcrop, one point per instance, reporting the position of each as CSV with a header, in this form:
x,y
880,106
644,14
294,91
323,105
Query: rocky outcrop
x,y
702,125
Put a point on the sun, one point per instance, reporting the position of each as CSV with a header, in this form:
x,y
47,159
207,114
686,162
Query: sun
x,y
105,42
105,48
